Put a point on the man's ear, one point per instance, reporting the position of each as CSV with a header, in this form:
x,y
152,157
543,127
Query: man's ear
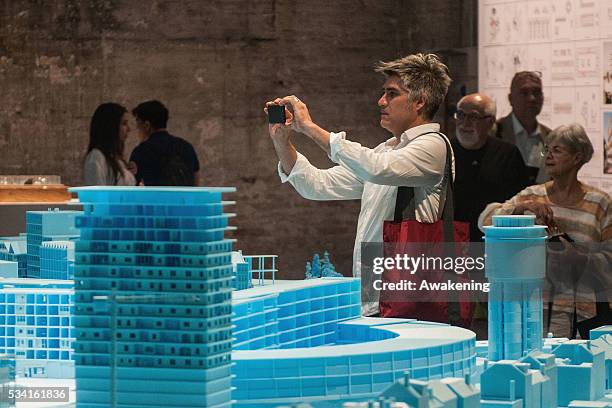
x,y
419,104
148,127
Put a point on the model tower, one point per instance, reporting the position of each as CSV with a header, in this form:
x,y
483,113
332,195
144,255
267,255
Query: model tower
x,y
42,226
153,282
515,266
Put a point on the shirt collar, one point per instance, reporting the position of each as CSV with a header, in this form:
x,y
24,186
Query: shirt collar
x,y
412,133
518,127
158,135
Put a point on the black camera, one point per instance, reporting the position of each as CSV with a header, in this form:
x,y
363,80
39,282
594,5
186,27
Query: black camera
x,y
276,114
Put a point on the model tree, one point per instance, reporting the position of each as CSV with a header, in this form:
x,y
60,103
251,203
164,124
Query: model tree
x,y
327,268
308,274
318,268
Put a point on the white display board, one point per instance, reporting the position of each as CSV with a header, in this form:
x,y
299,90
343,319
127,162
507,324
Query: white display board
x,y
570,43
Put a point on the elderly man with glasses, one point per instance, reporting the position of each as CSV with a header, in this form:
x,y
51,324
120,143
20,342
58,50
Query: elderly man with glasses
x,y
486,168
521,126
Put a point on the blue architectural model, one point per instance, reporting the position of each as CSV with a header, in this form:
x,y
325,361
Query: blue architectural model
x,y
602,339
252,269
516,268
57,260
36,326
153,284
303,341
242,272
262,267
7,380
546,364
515,383
8,269
153,322
600,332
445,393
14,249
582,374
41,226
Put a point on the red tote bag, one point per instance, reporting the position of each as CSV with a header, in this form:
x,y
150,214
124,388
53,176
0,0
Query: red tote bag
x,y
405,235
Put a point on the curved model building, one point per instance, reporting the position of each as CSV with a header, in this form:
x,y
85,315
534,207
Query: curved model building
x,y
303,341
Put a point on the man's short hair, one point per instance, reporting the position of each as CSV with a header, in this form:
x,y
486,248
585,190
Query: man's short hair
x,y
523,75
423,76
153,111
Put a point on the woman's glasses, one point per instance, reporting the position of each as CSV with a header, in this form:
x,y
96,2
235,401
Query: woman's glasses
x,y
554,150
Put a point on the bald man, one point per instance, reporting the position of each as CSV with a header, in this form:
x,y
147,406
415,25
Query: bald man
x,y
487,169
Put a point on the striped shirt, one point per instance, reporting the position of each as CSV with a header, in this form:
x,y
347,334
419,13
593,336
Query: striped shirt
x,y
590,220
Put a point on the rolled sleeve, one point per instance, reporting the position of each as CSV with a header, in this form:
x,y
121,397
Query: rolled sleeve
x,y
335,144
300,166
336,183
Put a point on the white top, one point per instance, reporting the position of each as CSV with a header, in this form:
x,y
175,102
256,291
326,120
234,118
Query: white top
x,y
373,176
531,147
97,172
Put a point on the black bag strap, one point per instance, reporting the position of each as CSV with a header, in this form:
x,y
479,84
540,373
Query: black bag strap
x,y
405,208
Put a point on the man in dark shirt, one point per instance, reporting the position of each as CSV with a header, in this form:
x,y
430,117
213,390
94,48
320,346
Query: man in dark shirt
x,y
487,169
162,159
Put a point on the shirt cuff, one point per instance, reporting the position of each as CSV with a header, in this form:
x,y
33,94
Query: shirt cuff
x,y
299,164
335,144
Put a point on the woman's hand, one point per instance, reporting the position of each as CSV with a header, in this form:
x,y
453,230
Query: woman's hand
x,y
132,167
543,212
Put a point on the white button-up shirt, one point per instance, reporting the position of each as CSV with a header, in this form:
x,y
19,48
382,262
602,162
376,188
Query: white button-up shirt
x,y
531,147
373,176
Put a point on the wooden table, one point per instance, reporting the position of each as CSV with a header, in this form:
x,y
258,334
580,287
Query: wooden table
x,y
16,199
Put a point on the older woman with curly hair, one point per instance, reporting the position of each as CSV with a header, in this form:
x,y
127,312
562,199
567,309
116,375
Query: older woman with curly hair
x,y
584,214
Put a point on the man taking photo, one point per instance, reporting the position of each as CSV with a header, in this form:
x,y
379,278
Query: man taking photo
x,y
415,86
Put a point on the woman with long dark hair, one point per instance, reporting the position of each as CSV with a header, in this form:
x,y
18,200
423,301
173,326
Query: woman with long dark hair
x,y
104,163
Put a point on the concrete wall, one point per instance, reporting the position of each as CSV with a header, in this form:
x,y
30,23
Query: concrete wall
x,y
214,63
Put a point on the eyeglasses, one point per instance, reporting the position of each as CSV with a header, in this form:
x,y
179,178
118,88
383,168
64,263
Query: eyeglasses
x,y
473,117
554,150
